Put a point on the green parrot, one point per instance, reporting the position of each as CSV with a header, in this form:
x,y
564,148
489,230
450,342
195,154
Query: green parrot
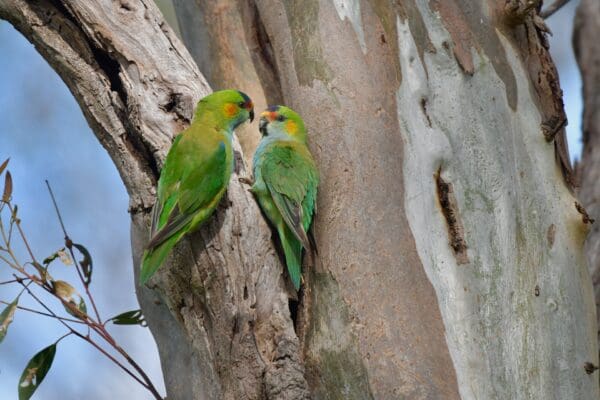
x,y
285,184
195,174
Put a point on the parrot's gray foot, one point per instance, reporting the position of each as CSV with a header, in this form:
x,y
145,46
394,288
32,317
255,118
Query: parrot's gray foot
x,y
247,181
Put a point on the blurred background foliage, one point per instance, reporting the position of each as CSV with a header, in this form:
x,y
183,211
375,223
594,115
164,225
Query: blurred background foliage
x,y
43,130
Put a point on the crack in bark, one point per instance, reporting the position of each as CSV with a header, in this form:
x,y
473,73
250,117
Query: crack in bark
x,y
449,206
261,51
107,64
423,103
111,68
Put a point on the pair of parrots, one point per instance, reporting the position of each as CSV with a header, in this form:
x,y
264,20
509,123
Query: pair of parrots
x,y
199,165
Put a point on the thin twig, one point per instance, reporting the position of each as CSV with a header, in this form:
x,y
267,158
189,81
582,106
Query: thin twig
x,y
96,326
62,337
133,364
13,281
552,8
10,207
43,304
8,250
93,343
10,231
110,357
62,225
13,266
68,243
25,286
103,333
44,314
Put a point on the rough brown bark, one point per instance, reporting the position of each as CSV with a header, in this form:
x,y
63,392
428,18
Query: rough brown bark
x,y
218,309
587,50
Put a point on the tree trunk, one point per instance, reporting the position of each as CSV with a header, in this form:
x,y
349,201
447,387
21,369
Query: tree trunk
x,y
587,50
218,309
451,247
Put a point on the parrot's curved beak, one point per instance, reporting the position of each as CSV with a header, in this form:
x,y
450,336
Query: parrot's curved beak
x,y
262,126
251,115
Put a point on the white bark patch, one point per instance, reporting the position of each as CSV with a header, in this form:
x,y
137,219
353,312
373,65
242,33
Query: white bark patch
x,y
350,9
519,316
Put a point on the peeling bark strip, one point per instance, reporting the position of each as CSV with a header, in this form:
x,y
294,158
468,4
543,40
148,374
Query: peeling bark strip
x,y
528,31
449,206
218,308
552,126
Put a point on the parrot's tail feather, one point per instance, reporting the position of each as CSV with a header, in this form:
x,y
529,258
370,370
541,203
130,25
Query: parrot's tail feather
x,y
292,248
153,258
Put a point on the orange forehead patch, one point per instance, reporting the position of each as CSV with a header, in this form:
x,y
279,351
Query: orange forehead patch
x,y
269,115
291,127
230,109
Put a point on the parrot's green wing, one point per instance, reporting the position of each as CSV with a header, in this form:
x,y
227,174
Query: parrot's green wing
x,y
192,182
292,178
199,186
167,184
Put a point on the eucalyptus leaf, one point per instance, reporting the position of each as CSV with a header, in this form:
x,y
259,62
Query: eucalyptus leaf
x,y
133,317
8,187
3,166
70,295
52,257
64,257
6,317
86,264
35,372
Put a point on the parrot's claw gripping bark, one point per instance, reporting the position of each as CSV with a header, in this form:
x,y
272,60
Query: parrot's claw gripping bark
x,y
246,181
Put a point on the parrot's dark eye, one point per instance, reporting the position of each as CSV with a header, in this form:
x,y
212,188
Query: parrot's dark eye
x,y
242,104
280,118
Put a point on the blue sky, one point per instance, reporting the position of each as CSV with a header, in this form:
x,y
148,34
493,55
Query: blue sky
x,y
561,25
43,131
